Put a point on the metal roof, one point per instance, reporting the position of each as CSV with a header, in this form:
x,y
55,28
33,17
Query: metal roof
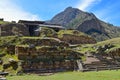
x,y
51,26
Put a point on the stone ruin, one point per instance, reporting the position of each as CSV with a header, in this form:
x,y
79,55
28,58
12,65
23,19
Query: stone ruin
x,y
25,28
43,29
107,58
47,56
12,29
115,54
48,53
73,39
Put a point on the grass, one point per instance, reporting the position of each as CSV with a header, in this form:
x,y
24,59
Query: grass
x,y
115,42
22,45
110,41
113,48
3,22
7,57
83,48
1,68
71,32
9,40
37,38
101,75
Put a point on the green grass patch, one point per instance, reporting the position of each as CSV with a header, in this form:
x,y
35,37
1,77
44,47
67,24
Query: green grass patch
x,y
4,22
113,48
71,32
7,57
114,41
101,75
85,48
1,68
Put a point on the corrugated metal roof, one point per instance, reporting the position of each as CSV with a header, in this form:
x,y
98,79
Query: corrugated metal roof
x,y
52,26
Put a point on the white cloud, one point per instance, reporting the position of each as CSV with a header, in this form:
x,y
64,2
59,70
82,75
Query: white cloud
x,y
10,11
84,4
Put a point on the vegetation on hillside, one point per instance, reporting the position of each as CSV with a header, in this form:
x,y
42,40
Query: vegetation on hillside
x,y
104,46
71,32
115,43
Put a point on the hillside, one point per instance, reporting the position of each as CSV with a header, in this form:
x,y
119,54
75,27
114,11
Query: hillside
x,y
73,18
109,47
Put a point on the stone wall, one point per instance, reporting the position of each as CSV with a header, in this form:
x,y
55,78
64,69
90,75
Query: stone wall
x,y
11,29
115,54
49,66
47,58
73,39
44,42
10,49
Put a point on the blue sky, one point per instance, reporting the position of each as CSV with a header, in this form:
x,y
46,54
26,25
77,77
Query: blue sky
x,y
106,10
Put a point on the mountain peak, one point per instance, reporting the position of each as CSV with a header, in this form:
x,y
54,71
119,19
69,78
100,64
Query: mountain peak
x,y
73,18
69,8
69,14
72,9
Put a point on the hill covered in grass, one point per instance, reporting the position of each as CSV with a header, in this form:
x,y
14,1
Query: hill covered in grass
x,y
103,47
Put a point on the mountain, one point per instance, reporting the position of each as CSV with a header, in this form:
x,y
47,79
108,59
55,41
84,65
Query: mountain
x,y
73,18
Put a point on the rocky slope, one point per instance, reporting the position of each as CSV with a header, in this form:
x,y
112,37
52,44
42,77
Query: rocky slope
x,y
73,18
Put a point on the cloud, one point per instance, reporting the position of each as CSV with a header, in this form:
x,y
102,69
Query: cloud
x,y
84,4
10,11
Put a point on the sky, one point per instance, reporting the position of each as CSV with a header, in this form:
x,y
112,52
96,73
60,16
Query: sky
x,y
14,10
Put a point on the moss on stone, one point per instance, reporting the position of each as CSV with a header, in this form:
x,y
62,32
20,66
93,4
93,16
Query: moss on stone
x,y
71,32
47,32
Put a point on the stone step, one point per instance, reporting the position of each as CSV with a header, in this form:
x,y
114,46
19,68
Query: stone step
x,y
100,68
95,65
3,78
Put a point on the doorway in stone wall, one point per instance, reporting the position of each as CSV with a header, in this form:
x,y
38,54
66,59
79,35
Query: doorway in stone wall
x,y
32,29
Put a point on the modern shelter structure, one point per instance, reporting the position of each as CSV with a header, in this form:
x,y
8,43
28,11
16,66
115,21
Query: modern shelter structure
x,y
34,26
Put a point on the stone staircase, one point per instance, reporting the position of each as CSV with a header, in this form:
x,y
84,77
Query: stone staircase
x,y
97,63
